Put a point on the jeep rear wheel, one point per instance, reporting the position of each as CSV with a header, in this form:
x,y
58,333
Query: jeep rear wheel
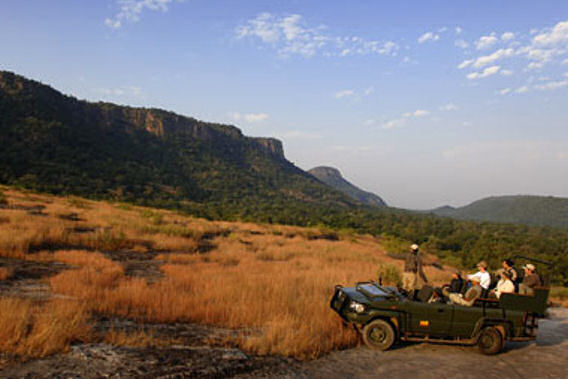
x,y
490,341
378,335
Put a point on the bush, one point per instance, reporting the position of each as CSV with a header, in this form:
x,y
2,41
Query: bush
x,y
3,199
389,274
560,293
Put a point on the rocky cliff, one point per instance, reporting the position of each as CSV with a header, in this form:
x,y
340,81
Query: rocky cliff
x,y
332,177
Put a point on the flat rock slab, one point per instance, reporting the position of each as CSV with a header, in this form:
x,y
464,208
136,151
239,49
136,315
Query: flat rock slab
x,y
545,358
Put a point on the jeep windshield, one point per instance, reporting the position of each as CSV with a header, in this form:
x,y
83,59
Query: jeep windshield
x,y
372,290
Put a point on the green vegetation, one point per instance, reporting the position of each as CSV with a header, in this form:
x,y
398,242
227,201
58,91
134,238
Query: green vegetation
x,y
389,275
529,210
57,144
3,199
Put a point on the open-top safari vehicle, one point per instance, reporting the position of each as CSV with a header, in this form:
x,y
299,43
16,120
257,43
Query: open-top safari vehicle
x,y
383,316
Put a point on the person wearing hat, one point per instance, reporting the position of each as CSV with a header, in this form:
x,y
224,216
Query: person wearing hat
x,y
530,281
472,294
505,285
482,274
412,268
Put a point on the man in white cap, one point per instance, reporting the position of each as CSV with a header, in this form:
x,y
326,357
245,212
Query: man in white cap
x,y
530,281
412,268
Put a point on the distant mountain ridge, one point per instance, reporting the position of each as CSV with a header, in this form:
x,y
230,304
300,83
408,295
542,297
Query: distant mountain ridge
x,y
519,209
59,144
332,177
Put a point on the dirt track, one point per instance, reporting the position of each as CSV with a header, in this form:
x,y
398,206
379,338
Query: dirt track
x,y
547,358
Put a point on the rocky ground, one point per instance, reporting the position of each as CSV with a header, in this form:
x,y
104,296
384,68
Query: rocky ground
x,y
200,354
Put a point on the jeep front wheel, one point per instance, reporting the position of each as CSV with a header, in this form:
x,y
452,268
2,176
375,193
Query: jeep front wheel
x,y
490,341
378,335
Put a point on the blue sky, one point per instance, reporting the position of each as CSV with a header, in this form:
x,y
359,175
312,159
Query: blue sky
x,y
425,103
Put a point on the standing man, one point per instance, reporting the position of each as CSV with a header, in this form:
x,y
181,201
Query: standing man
x,y
412,268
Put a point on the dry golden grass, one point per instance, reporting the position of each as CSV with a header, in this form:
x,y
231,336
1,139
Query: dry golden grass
x,y
137,338
271,282
33,330
5,273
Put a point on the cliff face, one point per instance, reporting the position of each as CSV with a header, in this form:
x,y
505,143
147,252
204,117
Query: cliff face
x,y
56,143
333,178
271,146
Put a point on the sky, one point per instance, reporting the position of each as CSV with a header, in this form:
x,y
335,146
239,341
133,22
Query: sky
x,y
426,103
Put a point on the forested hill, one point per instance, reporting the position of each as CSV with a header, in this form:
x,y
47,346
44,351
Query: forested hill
x,y
332,177
528,210
56,143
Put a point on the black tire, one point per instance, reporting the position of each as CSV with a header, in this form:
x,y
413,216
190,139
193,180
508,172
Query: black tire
x,y
490,341
378,335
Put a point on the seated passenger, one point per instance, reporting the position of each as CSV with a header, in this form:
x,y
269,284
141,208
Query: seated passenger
x,y
530,281
505,285
456,285
482,275
470,296
509,266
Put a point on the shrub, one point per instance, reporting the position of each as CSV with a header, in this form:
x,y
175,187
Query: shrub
x,y
389,274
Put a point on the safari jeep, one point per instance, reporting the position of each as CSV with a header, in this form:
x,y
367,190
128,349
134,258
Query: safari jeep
x,y
383,316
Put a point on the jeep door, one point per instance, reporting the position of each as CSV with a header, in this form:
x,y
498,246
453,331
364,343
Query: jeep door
x,y
440,316
430,319
465,319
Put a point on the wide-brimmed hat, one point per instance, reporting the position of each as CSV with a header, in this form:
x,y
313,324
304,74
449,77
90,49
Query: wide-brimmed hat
x,y
482,264
475,279
414,247
530,266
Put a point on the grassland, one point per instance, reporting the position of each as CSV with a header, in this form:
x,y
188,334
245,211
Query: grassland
x,y
271,283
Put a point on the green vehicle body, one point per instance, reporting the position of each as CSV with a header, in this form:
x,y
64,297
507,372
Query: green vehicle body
x,y
488,323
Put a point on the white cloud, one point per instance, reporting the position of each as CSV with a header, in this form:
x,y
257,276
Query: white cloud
x,y
535,65
344,93
449,107
557,35
290,35
523,89
551,85
131,10
396,123
369,91
565,74
506,72
458,30
465,63
417,113
461,44
565,61
507,36
485,73
489,59
403,119
350,93
250,117
485,42
505,91
429,36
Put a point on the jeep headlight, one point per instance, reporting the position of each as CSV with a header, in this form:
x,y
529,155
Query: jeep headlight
x,y
357,307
